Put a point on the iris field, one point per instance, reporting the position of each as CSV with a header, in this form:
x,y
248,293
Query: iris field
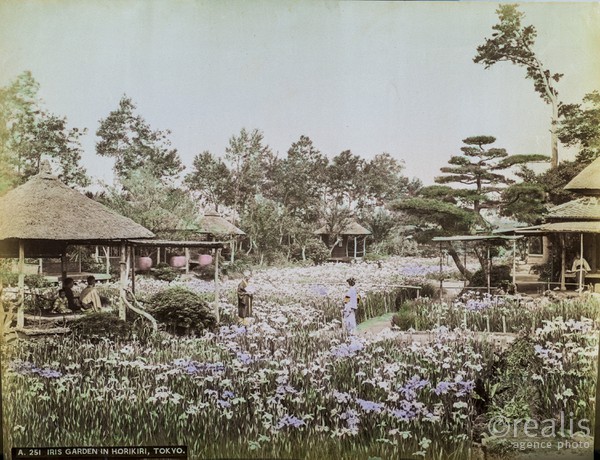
x,y
293,385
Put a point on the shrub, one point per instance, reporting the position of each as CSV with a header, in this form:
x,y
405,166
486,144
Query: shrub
x,y
165,272
181,310
404,319
36,281
317,251
500,275
99,325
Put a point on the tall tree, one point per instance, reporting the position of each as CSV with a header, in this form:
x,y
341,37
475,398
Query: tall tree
x,y
383,180
477,168
29,132
344,176
129,139
450,211
211,178
580,127
249,159
513,42
150,202
300,179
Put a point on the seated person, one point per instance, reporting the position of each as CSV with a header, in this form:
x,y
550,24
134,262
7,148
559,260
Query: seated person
x,y
580,262
90,299
72,301
580,265
61,304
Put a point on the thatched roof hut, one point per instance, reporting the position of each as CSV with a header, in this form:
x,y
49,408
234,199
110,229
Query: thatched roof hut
x,y
44,212
212,223
351,228
587,182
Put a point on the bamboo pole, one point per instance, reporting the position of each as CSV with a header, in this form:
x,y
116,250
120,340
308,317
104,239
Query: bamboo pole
x,y
107,255
364,246
187,261
21,310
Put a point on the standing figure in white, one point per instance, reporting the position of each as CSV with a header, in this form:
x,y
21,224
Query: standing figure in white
x,y
351,301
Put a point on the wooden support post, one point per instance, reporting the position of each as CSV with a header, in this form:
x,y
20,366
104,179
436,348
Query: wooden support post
x,y
123,280
355,247
232,250
187,261
489,269
563,262
364,246
441,271
157,256
581,262
40,266
216,308
21,310
107,255
63,265
514,273
133,269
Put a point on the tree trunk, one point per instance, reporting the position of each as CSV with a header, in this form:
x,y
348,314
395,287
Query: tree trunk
x,y
303,253
553,135
459,264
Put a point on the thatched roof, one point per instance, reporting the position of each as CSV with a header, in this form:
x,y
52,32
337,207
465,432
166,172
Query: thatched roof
x,y
587,208
45,209
587,182
352,228
212,223
571,227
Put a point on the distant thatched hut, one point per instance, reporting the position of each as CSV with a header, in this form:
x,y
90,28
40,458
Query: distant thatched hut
x,y
43,216
349,242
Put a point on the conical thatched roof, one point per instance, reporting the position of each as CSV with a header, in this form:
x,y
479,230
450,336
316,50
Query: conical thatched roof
x,y
587,208
352,228
587,182
45,209
212,223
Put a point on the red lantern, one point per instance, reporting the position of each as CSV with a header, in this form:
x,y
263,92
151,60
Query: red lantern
x,y
178,261
144,263
205,259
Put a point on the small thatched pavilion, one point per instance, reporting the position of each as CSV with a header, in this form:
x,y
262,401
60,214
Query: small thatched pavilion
x,y
43,216
215,226
346,243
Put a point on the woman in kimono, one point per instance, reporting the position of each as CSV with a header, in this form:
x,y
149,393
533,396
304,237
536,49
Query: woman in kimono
x,y
244,296
350,306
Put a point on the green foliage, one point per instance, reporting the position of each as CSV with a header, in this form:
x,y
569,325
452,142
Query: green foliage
x,y
211,178
181,310
36,281
580,126
405,318
129,139
165,272
317,251
99,325
513,42
29,132
499,276
150,202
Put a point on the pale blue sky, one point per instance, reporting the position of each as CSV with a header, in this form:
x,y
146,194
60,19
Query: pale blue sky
x,y
371,77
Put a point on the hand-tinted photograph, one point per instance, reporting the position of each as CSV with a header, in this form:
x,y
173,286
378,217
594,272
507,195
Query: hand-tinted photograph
x,y
299,230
